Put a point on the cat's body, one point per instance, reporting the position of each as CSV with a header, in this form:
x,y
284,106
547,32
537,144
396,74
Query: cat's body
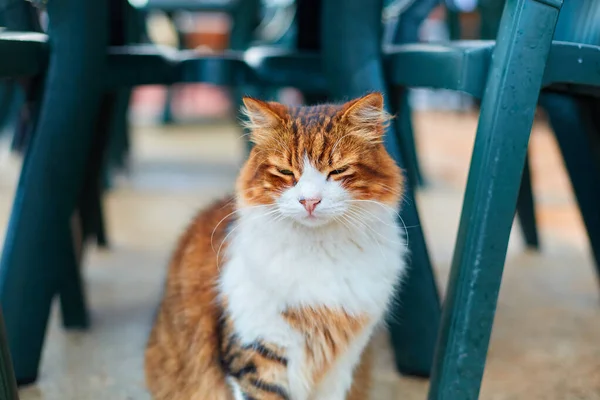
x,y
269,299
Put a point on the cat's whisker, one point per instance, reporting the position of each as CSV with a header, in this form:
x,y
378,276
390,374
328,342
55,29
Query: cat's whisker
x,y
225,240
339,140
377,203
357,218
362,211
244,135
357,227
229,215
360,223
368,216
385,206
341,221
382,236
212,235
389,188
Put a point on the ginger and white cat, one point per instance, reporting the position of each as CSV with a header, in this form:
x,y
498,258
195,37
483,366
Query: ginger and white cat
x,y
275,294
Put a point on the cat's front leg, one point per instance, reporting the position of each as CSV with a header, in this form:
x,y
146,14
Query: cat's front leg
x,y
331,342
337,383
300,379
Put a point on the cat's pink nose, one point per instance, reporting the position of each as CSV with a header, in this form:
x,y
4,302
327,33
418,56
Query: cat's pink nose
x,y
310,204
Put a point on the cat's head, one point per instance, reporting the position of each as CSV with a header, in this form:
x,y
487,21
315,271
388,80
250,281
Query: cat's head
x,y
317,164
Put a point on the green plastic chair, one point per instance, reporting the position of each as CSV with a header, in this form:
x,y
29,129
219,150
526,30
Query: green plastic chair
x,y
405,29
575,121
490,12
508,77
23,56
51,184
571,119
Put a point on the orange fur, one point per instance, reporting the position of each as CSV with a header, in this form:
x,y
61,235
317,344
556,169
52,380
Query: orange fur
x,y
182,355
332,136
268,362
191,336
327,334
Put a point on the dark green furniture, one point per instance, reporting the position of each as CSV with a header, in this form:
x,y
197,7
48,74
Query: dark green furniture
x,y
81,78
39,260
405,29
571,118
243,13
574,119
508,76
88,63
8,385
490,12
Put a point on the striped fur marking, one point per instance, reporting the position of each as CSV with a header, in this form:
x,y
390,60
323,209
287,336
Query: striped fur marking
x,y
259,369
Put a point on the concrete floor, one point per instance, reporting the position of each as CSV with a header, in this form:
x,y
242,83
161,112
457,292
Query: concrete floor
x,y
545,343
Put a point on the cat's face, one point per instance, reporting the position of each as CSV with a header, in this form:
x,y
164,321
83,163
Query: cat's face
x,y
318,164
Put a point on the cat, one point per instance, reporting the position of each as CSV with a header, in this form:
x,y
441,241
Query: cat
x,y
275,293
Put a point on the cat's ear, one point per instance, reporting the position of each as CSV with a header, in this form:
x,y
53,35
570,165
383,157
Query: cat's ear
x,y
261,117
367,116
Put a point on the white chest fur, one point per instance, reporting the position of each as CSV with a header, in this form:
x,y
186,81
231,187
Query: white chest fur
x,y
275,265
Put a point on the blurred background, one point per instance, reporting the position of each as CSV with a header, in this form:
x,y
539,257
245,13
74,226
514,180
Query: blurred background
x,y
183,149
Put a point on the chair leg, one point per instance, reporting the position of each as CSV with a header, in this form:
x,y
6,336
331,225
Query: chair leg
x,y
8,387
352,70
73,304
167,113
408,140
400,107
415,313
90,220
573,127
119,144
100,224
8,92
526,209
39,244
497,162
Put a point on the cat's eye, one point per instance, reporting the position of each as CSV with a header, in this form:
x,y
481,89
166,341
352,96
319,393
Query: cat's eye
x,y
337,171
286,172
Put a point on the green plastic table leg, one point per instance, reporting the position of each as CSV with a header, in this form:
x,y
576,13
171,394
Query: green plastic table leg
x,y
526,209
499,153
8,386
352,33
573,125
38,244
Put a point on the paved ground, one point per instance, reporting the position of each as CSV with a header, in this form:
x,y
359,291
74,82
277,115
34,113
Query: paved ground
x,y
545,342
